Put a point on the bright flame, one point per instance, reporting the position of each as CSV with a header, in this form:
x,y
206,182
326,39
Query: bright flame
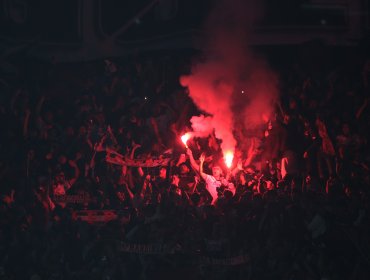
x,y
185,139
229,156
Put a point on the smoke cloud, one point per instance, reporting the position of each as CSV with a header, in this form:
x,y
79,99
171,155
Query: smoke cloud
x,y
202,126
234,86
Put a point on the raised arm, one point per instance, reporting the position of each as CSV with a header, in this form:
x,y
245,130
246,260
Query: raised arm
x,y
130,193
73,164
146,184
252,152
132,154
239,167
201,162
193,163
111,134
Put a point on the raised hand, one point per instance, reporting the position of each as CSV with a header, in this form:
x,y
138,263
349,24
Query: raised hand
x,y
240,165
189,152
182,159
202,158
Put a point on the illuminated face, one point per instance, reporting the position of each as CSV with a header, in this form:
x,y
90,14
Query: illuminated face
x,y
269,185
216,171
175,180
162,172
184,169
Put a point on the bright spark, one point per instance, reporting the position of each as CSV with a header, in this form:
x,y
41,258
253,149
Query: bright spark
x,y
228,157
185,139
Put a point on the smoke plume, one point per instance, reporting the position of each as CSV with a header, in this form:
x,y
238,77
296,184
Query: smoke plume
x,y
230,83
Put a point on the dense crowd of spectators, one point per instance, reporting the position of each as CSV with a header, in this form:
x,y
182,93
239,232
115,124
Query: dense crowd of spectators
x,y
105,135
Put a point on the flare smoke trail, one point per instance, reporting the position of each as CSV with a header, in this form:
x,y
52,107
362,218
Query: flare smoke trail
x,y
211,92
231,83
202,126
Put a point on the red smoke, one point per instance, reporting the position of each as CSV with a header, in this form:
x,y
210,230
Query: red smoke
x,y
202,126
212,94
231,84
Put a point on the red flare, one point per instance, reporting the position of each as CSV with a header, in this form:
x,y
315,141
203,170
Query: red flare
x,y
185,139
228,157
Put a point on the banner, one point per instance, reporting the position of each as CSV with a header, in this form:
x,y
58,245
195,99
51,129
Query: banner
x,y
165,249
116,158
145,249
81,198
100,216
237,260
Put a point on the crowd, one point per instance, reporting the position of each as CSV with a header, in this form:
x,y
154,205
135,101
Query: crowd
x,y
106,135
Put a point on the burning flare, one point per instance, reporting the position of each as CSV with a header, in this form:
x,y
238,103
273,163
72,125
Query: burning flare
x,y
185,139
228,157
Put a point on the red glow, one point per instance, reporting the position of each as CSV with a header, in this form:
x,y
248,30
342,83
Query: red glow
x,y
185,139
230,83
228,157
